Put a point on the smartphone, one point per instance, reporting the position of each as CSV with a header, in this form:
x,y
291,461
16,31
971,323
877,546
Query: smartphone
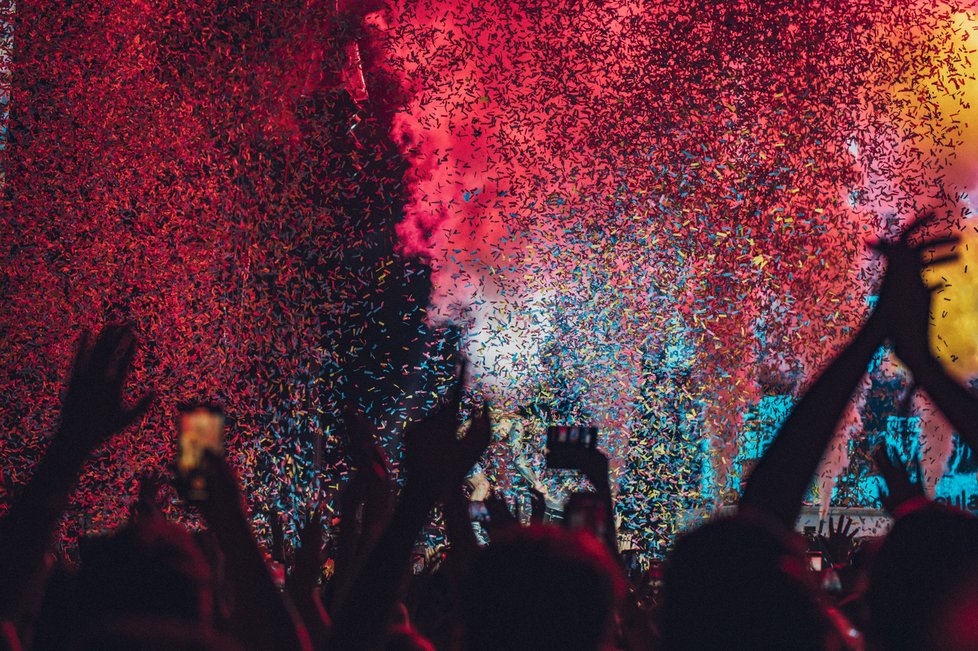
x,y
199,428
568,445
815,561
478,512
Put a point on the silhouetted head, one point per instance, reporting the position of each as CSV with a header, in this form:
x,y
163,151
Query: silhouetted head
x,y
405,638
153,569
921,593
740,583
541,588
136,633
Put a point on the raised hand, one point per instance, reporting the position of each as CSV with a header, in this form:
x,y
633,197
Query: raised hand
x,y
905,303
146,506
840,543
595,468
369,492
308,561
436,460
901,490
362,446
92,409
225,502
278,536
783,475
261,619
904,298
302,582
435,457
538,504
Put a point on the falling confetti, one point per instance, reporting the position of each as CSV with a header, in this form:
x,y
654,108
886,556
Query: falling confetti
x,y
647,216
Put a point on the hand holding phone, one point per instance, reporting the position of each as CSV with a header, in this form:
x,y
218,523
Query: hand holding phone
x,y
200,429
587,511
569,446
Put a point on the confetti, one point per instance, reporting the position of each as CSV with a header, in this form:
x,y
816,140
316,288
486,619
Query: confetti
x,y
638,214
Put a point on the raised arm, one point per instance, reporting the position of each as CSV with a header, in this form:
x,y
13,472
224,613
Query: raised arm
x,y
262,618
596,470
435,460
903,494
458,525
91,413
366,502
910,313
302,583
778,483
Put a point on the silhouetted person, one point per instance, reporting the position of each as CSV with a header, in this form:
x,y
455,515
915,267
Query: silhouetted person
x,y
541,588
741,583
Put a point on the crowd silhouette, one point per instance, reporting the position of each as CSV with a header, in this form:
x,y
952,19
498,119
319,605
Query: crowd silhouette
x,y
741,581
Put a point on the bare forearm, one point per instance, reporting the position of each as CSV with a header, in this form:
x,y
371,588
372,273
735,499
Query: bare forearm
x,y
261,615
778,483
362,616
26,530
957,404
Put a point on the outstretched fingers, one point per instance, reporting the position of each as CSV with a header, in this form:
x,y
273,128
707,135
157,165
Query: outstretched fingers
x,y
847,527
83,353
121,358
917,224
929,245
134,413
901,243
950,257
106,346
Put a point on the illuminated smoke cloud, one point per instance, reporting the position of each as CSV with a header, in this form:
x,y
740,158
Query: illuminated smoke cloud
x,y
582,174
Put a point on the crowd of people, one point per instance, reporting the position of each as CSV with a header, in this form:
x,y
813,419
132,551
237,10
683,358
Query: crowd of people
x,y
740,581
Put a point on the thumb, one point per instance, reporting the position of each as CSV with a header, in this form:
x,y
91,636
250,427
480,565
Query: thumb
x,y
137,411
